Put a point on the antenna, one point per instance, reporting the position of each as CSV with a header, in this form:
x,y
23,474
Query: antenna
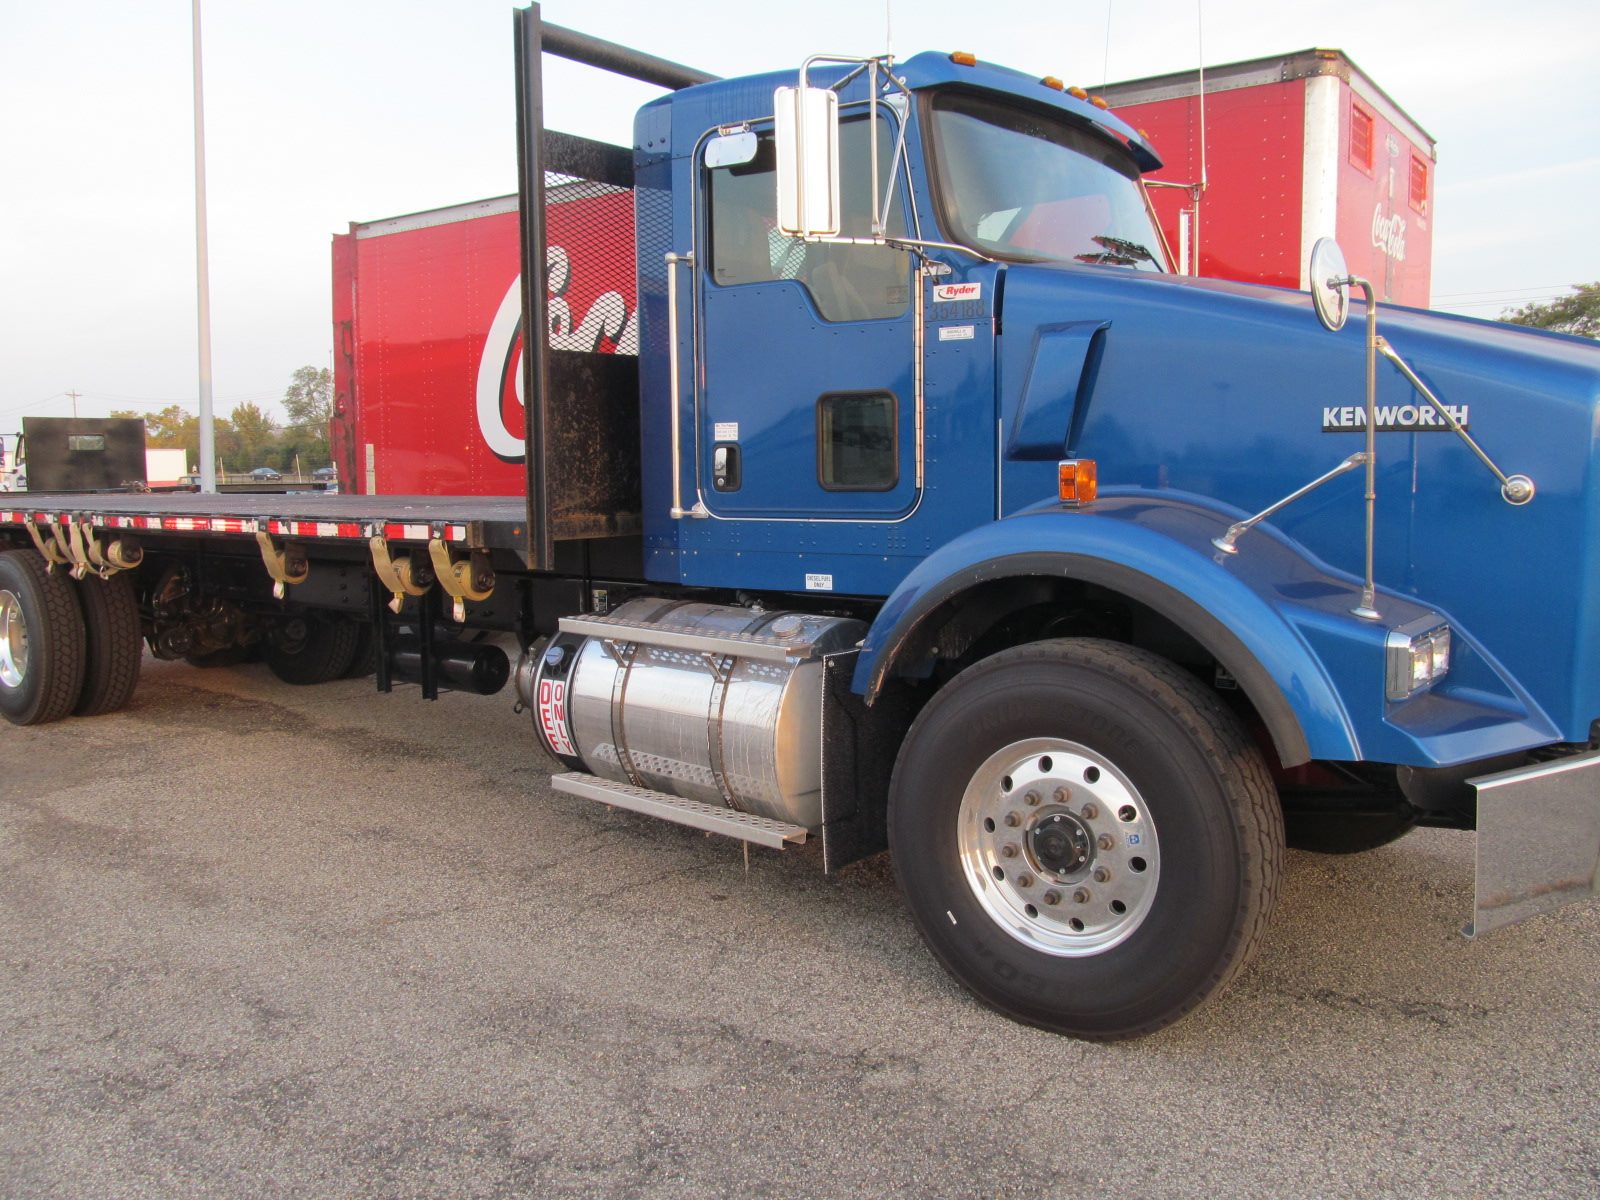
x,y
888,27
1105,62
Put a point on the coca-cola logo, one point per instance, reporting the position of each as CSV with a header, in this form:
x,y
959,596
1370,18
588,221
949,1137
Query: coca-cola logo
x,y
607,325
1389,234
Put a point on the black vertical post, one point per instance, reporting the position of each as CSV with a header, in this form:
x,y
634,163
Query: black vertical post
x,y
382,642
535,319
427,615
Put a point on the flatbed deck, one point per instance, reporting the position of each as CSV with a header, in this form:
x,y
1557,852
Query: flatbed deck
x,y
474,522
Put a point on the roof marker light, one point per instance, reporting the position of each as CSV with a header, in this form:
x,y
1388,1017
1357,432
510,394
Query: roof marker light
x,y
1098,102
1078,92
964,58
1050,81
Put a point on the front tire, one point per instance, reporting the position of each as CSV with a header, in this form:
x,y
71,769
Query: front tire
x,y
41,641
1087,838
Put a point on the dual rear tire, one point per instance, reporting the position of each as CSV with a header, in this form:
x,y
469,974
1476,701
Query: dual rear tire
x,y
65,648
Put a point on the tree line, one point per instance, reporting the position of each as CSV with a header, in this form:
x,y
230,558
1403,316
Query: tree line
x,y
248,437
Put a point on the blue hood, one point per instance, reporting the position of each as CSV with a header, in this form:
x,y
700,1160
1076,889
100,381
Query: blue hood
x,y
1236,393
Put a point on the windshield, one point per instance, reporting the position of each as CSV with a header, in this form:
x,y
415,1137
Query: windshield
x,y
1022,183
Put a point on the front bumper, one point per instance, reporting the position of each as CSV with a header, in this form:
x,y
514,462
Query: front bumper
x,y
1538,840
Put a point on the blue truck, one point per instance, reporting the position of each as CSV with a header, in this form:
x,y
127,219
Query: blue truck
x,y
936,514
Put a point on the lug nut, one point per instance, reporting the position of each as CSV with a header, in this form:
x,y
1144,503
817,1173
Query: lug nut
x,y
1101,875
1060,796
1052,897
1013,819
1032,797
1091,811
1008,851
1105,841
1081,895
1024,881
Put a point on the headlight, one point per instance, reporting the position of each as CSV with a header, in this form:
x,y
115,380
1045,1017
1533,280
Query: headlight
x,y
1416,660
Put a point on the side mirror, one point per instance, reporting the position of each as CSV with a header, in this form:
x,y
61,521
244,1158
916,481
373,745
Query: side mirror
x,y
807,134
1329,279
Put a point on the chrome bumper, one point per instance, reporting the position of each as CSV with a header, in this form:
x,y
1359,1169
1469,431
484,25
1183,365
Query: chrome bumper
x,y
1538,840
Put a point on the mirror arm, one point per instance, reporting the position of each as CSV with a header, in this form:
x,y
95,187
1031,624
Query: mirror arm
x,y
1515,489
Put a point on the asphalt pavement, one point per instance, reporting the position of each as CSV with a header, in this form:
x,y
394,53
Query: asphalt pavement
x,y
258,940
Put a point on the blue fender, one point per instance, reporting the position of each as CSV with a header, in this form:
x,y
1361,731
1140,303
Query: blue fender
x,y
1156,549
1277,619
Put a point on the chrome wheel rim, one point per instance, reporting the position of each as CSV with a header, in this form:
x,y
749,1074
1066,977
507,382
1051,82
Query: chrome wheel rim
x,y
13,641
1058,847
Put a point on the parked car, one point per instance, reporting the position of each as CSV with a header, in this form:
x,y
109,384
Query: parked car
x,y
265,474
325,473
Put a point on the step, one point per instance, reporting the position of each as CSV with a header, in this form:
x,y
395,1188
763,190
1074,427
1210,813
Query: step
x,y
763,647
713,818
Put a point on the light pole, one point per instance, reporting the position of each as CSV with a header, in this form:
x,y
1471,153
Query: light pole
x,y
208,445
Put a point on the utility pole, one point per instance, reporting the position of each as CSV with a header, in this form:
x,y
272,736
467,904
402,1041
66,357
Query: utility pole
x,y
74,396
208,441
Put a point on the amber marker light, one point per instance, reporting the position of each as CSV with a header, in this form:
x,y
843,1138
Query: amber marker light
x,y
1050,81
1078,93
1077,480
964,58
1098,102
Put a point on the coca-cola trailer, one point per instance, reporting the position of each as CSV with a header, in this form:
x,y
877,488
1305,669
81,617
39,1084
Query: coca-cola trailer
x,y
1295,148
1291,149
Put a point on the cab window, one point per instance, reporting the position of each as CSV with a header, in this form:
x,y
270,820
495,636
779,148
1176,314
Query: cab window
x,y
846,283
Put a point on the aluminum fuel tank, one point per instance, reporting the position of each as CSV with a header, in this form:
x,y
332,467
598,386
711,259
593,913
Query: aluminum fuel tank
x,y
712,703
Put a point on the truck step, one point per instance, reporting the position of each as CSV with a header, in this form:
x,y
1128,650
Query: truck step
x,y
712,818
763,647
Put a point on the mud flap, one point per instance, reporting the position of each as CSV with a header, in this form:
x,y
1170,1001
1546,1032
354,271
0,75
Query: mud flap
x,y
859,745
1538,840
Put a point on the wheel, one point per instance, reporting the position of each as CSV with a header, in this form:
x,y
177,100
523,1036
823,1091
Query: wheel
x,y
311,648
1086,837
365,659
1346,833
41,641
115,649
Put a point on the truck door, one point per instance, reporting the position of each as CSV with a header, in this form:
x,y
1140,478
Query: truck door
x,y
806,401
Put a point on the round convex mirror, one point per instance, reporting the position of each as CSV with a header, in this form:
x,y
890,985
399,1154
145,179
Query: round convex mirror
x,y
1330,283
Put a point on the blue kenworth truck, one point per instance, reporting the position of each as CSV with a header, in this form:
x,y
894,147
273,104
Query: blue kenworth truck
x,y
937,514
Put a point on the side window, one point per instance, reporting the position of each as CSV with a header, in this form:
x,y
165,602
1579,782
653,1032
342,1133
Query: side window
x,y
847,283
856,449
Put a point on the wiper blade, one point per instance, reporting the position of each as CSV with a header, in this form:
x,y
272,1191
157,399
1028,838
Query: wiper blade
x,y
1117,251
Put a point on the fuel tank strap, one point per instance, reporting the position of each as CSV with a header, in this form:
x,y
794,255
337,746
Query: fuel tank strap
x,y
761,647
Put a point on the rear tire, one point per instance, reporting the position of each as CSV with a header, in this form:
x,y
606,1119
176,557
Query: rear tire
x,y
115,649
1088,839
41,641
364,662
311,648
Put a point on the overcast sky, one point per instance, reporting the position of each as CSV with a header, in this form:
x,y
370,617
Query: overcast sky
x,y
322,113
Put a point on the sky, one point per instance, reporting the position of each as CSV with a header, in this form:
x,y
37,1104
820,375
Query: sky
x,y
323,112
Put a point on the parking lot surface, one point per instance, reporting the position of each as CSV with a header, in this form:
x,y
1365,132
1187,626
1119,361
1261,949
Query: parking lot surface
x,y
265,941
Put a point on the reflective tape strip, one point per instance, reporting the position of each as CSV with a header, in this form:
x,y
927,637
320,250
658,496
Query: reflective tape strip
x,y
396,532
232,525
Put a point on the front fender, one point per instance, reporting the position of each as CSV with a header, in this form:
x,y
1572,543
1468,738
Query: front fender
x,y
1276,619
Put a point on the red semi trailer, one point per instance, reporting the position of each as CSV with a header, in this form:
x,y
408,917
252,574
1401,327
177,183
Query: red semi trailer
x,y
1297,148
427,311
425,306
